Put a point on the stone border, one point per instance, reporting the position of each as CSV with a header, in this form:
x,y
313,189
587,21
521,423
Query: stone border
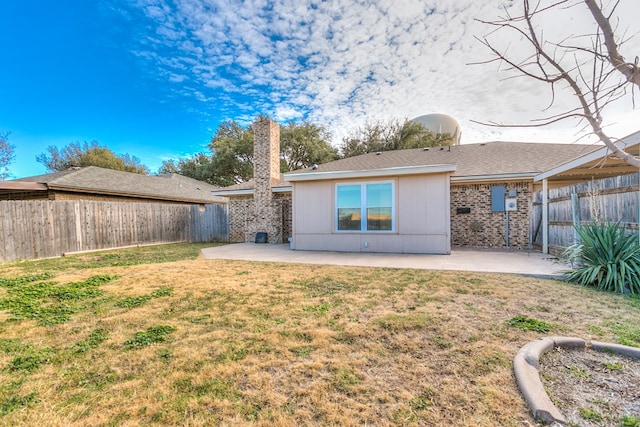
x,y
525,368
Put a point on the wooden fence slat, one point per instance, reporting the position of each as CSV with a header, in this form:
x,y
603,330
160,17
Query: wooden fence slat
x,y
37,228
607,200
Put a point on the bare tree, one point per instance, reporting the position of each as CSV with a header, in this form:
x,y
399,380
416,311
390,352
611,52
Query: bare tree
x,y
591,65
6,155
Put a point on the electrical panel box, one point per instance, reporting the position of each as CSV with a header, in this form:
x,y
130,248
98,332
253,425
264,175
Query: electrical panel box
x,y
497,198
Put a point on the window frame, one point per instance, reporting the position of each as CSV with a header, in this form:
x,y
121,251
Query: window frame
x,y
363,206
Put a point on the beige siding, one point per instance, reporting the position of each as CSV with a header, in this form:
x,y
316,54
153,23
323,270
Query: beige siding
x,y
422,218
314,204
421,200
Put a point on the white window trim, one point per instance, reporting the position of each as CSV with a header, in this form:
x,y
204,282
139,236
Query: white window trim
x,y
363,207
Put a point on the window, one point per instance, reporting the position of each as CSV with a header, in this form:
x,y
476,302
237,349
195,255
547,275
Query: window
x,y
365,207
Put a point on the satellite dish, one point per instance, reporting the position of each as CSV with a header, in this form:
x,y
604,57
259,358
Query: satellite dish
x,y
441,123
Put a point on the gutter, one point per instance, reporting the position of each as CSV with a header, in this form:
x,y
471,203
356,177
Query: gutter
x,y
249,191
526,176
368,173
141,196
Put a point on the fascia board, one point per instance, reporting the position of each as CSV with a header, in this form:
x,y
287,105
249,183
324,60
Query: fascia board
x,y
628,141
496,177
370,173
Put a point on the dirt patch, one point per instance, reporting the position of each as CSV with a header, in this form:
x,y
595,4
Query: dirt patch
x,y
592,388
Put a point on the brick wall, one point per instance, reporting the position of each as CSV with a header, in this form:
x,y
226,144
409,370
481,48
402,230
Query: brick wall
x,y
287,214
239,207
484,228
264,211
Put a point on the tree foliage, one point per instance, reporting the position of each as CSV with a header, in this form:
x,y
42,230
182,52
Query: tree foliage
x,y
232,149
198,167
591,66
391,135
231,159
304,144
6,155
89,154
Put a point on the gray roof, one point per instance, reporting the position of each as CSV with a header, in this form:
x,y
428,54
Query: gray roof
x,y
248,186
473,161
92,179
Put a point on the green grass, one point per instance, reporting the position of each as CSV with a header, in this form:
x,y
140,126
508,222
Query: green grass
x,y
629,421
214,342
590,414
529,324
48,302
95,338
137,301
613,366
117,258
153,335
627,334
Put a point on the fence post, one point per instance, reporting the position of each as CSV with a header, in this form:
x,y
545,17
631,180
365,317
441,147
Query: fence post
x,y
545,216
78,224
575,213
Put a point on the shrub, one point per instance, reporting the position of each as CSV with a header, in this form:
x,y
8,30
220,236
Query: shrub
x,y
606,258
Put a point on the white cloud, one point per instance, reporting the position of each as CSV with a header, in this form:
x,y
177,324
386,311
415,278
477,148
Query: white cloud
x,y
347,61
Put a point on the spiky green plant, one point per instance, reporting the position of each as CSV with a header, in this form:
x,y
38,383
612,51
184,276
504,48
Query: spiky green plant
x,y
607,258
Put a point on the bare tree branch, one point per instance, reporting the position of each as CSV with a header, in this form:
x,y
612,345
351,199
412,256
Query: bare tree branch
x,y
627,69
597,73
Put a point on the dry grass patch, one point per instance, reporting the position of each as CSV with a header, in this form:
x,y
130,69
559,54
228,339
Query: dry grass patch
x,y
206,342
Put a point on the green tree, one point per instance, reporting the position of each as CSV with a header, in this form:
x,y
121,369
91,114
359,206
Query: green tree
x,y
231,160
232,148
390,135
89,154
198,167
303,144
6,155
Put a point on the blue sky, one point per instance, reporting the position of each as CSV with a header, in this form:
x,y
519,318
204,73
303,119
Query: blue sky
x,y
154,78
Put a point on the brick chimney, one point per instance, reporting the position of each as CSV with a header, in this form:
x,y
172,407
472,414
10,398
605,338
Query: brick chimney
x,y
267,212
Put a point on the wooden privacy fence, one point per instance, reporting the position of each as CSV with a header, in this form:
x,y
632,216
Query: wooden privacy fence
x,y
42,228
605,200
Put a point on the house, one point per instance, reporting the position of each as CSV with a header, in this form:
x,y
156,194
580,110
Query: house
x,y
434,198
414,201
100,184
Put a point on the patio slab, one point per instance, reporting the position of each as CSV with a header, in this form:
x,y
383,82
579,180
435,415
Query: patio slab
x,y
529,263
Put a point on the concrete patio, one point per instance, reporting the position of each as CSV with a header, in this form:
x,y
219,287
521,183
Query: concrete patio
x,y
528,263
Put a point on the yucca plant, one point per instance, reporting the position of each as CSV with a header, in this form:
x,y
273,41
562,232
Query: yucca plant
x,y
607,258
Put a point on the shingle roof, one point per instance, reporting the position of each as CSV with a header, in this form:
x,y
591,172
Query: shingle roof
x,y
248,186
92,179
471,160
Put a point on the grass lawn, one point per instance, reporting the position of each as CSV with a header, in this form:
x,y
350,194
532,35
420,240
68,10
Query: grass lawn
x,y
161,336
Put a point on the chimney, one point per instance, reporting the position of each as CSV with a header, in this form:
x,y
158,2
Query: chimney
x,y
266,157
266,166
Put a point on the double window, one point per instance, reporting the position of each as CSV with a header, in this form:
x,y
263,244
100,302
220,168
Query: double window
x,y
367,206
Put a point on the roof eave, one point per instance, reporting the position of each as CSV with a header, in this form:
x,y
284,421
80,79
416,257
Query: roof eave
x,y
370,173
525,176
129,194
250,191
23,186
625,143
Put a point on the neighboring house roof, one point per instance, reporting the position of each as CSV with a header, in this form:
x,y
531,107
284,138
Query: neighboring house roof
x,y
95,180
277,186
